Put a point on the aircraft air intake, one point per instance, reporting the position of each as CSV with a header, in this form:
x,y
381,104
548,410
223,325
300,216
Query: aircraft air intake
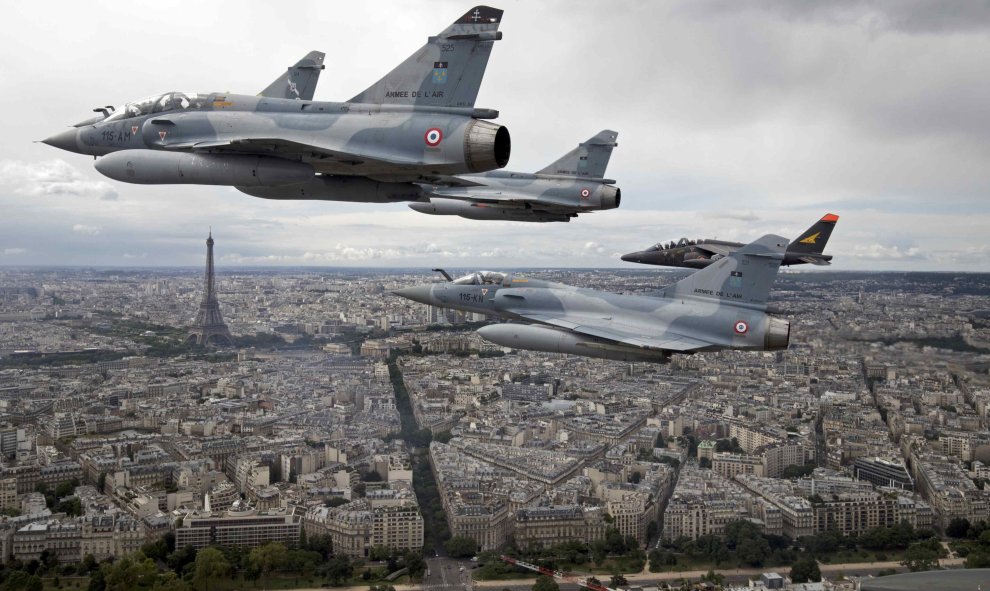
x,y
486,146
778,334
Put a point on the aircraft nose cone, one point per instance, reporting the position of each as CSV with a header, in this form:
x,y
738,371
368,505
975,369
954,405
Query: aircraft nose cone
x,y
632,257
67,140
417,293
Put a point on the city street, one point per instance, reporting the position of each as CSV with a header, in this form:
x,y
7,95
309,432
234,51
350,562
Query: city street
x,y
447,573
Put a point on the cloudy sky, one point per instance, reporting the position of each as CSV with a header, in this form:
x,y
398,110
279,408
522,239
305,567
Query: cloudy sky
x,y
735,119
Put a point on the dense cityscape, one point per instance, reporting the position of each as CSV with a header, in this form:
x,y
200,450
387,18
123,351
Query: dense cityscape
x,y
350,437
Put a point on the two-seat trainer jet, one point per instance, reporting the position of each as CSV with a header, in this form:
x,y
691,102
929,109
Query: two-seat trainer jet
x,y
720,307
418,123
698,254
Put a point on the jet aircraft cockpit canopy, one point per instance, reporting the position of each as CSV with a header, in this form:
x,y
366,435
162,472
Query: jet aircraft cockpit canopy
x,y
481,278
161,103
671,245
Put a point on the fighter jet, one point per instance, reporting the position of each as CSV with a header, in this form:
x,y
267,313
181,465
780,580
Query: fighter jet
x,y
571,185
720,307
299,82
698,254
418,123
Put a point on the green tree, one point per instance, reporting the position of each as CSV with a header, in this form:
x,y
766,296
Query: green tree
x,y
415,563
805,570
97,582
268,558
958,528
339,569
156,550
798,470
545,583
49,559
179,559
730,445
461,546
978,559
618,580
210,564
754,551
322,544
919,557
130,572
71,507
169,581
19,580
66,488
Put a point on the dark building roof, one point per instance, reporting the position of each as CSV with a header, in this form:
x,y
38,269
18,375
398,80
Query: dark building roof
x,y
943,580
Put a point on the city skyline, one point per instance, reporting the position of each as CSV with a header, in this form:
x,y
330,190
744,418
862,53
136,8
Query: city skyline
x,y
734,121
367,422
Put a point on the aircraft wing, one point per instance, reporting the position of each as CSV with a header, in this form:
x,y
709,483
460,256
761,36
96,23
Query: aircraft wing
x,y
716,249
621,333
814,260
285,148
446,180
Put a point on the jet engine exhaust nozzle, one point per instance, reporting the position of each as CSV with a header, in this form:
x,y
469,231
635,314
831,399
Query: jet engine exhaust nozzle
x,y
611,197
778,334
486,146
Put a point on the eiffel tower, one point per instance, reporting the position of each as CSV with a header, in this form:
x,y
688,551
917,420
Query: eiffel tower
x,y
210,328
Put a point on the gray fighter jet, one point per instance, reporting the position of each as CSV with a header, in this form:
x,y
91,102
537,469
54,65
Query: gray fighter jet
x,y
698,254
418,123
573,184
720,307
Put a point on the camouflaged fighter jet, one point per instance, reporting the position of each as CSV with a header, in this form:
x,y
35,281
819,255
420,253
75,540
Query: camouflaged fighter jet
x,y
418,123
720,307
573,184
698,254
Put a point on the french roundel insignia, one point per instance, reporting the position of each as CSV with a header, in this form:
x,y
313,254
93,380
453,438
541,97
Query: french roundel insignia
x,y
741,327
433,137
585,193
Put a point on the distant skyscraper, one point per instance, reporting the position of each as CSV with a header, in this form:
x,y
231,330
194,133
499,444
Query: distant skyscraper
x,y
210,328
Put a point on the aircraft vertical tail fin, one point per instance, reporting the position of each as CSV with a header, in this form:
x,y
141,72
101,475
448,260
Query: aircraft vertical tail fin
x,y
447,71
299,81
588,160
742,278
814,238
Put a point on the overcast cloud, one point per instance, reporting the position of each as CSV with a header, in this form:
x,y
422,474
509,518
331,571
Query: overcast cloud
x,y
735,119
